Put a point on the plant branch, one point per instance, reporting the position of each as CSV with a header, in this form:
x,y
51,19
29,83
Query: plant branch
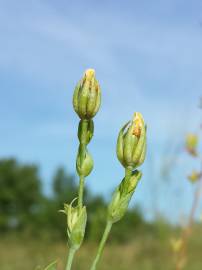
x,y
188,229
101,245
81,191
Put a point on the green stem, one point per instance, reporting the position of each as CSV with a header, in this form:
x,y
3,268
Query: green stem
x,y
128,172
81,190
82,152
101,245
70,258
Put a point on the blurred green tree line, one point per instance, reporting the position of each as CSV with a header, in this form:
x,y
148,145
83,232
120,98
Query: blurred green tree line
x,y
24,207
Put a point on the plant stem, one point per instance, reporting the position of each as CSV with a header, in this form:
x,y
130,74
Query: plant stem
x,y
81,189
186,233
82,147
70,258
101,245
128,172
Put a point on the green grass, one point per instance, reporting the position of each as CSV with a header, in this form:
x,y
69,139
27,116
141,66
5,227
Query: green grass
x,y
142,253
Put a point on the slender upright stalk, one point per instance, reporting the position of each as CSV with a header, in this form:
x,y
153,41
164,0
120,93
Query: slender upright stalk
x,y
81,191
86,102
181,252
188,229
101,245
70,258
128,173
82,154
197,196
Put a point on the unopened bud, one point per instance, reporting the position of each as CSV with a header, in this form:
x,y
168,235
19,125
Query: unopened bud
x,y
76,224
131,143
87,96
194,176
122,196
176,244
85,166
191,144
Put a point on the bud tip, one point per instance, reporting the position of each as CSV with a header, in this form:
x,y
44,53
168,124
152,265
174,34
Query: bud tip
x,y
89,73
138,123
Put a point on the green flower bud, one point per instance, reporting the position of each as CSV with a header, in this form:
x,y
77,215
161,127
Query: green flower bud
x,y
84,167
87,96
131,143
85,131
76,224
122,196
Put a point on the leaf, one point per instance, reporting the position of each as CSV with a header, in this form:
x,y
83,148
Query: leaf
x,y
52,266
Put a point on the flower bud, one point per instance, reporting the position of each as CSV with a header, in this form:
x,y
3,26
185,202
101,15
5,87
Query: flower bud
x,y
194,176
76,224
85,131
87,96
122,196
85,166
131,143
191,144
176,244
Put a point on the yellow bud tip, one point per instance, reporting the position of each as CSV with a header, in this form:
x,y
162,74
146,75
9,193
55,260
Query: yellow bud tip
x,y
89,74
176,244
138,123
194,176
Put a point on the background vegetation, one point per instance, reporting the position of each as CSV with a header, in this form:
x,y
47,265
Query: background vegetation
x,y
33,231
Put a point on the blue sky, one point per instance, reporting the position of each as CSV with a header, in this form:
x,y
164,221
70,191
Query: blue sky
x,y
147,57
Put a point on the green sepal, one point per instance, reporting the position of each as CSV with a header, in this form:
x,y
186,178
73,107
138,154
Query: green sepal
x,y
75,100
83,98
140,147
143,154
118,206
85,166
76,224
122,196
120,144
98,100
76,236
92,98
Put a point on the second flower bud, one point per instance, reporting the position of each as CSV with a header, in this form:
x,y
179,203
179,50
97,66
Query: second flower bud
x,y
131,143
